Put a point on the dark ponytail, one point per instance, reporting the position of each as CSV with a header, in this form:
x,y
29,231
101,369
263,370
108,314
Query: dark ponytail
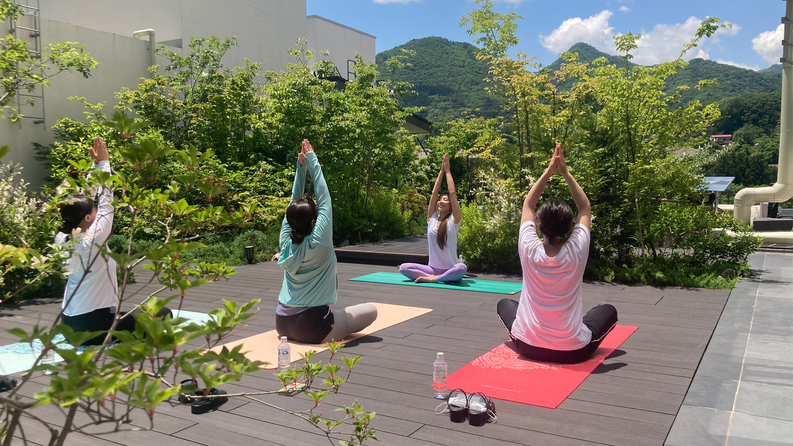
x,y
73,213
442,229
299,215
555,219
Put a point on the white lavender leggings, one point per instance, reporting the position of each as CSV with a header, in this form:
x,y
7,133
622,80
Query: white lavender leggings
x,y
415,270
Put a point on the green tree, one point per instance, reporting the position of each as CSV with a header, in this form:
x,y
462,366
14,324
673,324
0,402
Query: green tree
x,y
22,70
619,126
200,102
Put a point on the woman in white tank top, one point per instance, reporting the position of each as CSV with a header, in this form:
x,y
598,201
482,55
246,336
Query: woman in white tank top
x,y
443,224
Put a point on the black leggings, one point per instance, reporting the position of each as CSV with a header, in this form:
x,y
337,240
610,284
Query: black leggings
x,y
102,320
600,320
309,327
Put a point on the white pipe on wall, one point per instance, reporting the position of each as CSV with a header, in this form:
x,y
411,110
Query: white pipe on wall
x,y
783,189
152,44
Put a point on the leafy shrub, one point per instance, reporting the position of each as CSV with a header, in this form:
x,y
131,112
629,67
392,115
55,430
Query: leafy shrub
x,y
229,248
703,235
385,214
488,238
31,219
672,270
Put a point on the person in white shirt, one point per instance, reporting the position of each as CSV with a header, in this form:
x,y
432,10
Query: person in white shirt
x,y
91,295
443,224
548,323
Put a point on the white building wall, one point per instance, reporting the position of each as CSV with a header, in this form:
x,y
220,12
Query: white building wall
x,y
341,42
265,29
120,16
122,63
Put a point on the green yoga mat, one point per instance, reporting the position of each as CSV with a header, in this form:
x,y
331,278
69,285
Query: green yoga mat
x,y
20,357
482,286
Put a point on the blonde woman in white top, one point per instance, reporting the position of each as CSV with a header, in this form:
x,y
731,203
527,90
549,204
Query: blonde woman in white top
x,y
443,224
91,295
549,324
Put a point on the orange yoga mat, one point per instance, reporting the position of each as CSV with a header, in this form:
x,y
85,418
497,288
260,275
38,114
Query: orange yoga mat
x,y
264,346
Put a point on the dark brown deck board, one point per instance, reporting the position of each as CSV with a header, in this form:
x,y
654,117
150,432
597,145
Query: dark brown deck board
x,y
630,399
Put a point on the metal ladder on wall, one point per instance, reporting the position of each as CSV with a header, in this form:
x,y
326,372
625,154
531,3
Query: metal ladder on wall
x,y
28,29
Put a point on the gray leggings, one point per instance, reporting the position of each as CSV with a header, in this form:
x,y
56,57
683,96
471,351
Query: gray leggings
x,y
351,320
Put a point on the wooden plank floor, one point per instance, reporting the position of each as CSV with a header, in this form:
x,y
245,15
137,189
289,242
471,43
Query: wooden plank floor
x,y
630,399
409,245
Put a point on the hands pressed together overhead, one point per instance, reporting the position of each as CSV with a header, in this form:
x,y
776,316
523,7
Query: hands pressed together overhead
x,y
557,163
445,163
306,148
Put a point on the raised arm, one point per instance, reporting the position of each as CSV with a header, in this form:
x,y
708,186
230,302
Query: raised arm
x,y
456,213
584,216
103,223
298,188
530,202
323,229
433,206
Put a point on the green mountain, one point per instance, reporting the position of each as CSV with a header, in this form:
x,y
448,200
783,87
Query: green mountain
x,y
733,81
446,77
775,68
588,53
449,80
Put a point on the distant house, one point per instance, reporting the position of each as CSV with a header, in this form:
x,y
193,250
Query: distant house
x,y
722,139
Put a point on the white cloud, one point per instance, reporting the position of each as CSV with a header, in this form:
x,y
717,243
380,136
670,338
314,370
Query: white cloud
x,y
594,30
624,8
661,44
739,65
769,44
382,2
665,42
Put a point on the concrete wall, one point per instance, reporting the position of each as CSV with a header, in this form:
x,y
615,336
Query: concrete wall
x,y
342,42
119,16
265,29
122,63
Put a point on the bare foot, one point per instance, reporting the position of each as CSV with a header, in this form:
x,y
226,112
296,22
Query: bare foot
x,y
427,279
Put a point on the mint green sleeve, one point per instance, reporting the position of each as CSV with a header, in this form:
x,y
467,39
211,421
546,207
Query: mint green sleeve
x,y
323,229
298,188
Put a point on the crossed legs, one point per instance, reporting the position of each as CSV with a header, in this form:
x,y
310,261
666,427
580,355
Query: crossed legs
x,y
426,273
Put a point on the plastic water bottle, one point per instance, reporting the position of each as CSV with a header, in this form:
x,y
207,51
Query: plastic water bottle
x,y
460,259
284,354
439,377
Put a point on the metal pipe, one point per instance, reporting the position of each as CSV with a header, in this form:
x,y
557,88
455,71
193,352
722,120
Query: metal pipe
x,y
152,44
782,190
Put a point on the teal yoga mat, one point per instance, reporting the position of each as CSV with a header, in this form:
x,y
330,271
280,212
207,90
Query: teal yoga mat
x,y
482,286
20,357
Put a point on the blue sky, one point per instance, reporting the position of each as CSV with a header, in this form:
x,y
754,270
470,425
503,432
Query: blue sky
x,y
550,27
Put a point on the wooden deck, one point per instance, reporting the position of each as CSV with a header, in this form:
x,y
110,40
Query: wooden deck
x,y
388,252
630,399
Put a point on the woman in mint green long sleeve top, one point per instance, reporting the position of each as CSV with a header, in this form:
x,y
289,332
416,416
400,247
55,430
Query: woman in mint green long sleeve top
x,y
309,261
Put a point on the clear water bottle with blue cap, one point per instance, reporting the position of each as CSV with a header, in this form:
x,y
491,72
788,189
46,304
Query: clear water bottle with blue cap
x,y
284,354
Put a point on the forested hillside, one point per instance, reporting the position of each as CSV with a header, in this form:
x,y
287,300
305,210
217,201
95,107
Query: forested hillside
x,y
449,80
446,77
733,81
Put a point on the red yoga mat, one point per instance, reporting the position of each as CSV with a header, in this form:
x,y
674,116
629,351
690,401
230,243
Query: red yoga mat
x,y
504,375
